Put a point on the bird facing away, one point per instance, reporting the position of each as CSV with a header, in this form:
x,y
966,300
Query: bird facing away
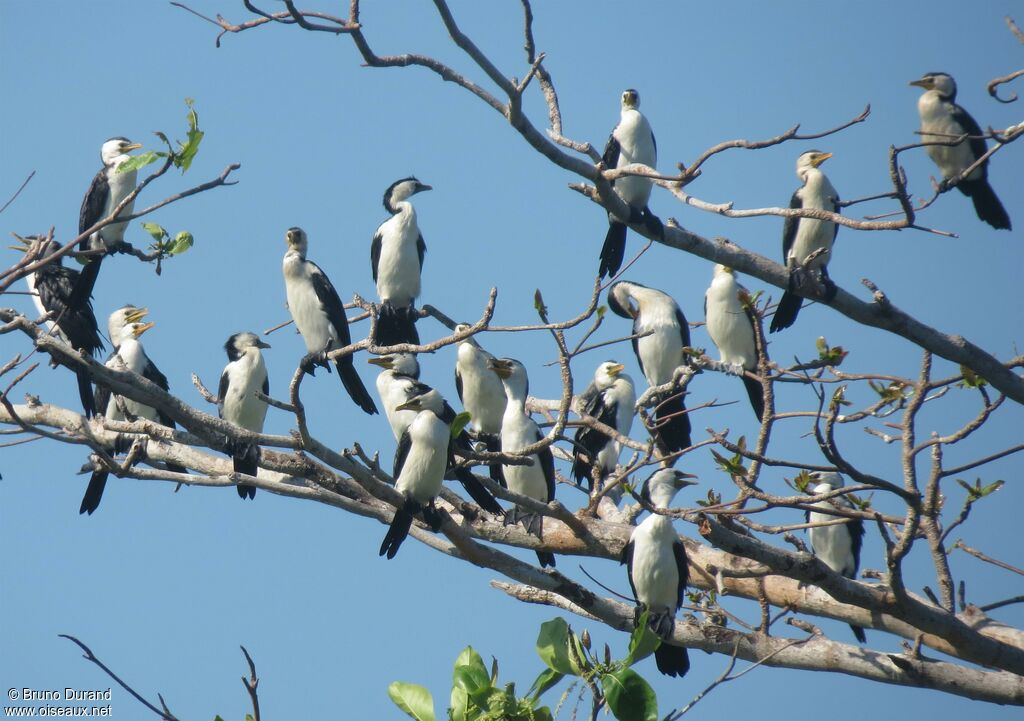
x,y
731,328
632,141
320,317
53,288
943,121
109,187
656,559
657,318
803,236
237,403
838,546
125,328
420,463
482,395
610,398
397,384
518,431
396,257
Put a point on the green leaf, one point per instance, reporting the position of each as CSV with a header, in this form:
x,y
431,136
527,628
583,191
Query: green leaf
x,y
553,646
629,697
157,231
414,699
459,705
642,642
217,718
458,425
548,678
140,161
472,680
601,310
249,717
182,242
971,379
187,151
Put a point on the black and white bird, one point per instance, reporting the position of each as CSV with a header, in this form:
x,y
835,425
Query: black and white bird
x,y
420,463
320,317
732,331
631,142
611,399
237,402
109,187
397,384
396,256
803,236
656,559
125,329
838,545
53,288
482,395
658,318
943,121
518,431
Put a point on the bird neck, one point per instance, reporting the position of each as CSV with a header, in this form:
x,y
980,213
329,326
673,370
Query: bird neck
x,y
661,496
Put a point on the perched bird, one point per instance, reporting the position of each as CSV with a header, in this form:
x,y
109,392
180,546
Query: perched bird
x,y
482,395
803,236
397,384
518,431
52,287
943,121
660,351
237,403
656,559
610,398
125,329
320,316
396,256
420,463
632,141
838,545
732,330
109,187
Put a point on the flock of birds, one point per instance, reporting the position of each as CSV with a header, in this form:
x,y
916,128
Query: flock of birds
x,y
493,390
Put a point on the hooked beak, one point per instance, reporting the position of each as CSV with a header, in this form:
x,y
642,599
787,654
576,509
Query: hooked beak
x,y
502,368
614,370
131,146
134,316
925,83
382,361
818,160
408,406
142,328
262,344
683,479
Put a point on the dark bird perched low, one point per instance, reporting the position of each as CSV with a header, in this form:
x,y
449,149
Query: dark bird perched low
x,y
320,317
420,463
109,187
397,384
838,546
732,331
237,403
656,559
662,325
803,236
611,399
125,329
518,431
396,257
53,289
943,121
632,141
482,395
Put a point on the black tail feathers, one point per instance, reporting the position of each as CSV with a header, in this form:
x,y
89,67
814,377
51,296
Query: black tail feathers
x,y
396,325
613,250
399,529
986,203
672,660
546,560
94,492
756,395
85,393
859,633
477,492
246,460
787,311
354,385
673,423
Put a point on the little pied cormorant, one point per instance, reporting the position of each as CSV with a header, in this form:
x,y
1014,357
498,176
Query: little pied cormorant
x,y
320,317
665,332
803,236
420,463
397,384
518,431
732,331
632,141
656,559
125,329
838,546
611,399
53,288
482,395
396,257
237,403
942,120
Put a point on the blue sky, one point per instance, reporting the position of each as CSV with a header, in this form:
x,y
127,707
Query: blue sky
x,y
165,586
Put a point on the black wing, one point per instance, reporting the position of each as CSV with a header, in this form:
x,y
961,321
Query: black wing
x,y
375,254
856,540
684,327
627,558
679,551
266,385
547,464
636,340
654,142
458,385
151,373
962,118
421,250
404,444
332,304
789,227
102,394
56,287
222,392
94,202
610,158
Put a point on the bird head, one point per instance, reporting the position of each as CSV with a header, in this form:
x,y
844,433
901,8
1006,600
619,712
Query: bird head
x,y
942,83
115,148
721,270
239,343
607,373
122,318
296,240
630,99
502,367
401,190
400,363
132,331
661,487
826,481
429,400
808,160
37,245
621,301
